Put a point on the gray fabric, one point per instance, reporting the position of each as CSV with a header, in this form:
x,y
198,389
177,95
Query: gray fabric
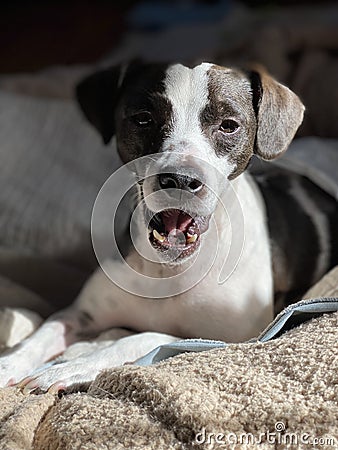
x,y
313,157
292,316
52,165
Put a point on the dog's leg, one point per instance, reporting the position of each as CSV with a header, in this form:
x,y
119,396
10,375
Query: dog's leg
x,y
18,362
100,306
83,369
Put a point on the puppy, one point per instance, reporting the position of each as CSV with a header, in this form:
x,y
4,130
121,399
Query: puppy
x,y
202,262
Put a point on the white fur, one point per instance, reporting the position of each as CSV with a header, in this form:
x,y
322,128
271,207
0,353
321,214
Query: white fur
x,y
85,367
233,311
187,91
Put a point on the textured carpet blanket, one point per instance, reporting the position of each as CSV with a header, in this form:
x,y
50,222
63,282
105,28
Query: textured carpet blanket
x,y
251,395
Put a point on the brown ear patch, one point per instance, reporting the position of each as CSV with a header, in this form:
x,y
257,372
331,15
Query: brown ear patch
x,y
279,114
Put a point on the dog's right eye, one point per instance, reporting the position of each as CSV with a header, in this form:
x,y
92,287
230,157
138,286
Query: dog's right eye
x,y
143,119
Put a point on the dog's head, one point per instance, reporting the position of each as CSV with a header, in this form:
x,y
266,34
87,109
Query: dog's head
x,y
203,123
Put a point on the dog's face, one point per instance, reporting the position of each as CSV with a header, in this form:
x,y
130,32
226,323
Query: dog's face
x,y
203,123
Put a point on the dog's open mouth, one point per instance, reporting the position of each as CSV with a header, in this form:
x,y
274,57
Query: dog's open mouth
x,y
173,229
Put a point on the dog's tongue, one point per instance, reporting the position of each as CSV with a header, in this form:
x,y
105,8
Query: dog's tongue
x,y
174,219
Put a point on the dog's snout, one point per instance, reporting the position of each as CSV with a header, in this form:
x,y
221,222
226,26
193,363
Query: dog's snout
x,y
176,181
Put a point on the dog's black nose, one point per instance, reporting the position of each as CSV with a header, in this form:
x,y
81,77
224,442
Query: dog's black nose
x,y
176,181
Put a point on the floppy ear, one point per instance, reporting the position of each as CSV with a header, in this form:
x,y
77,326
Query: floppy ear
x,y
279,114
97,95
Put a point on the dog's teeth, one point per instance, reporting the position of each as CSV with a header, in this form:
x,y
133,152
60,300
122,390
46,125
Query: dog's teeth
x,y
191,238
157,236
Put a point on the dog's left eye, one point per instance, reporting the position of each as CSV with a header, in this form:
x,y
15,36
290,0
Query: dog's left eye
x,y
228,126
143,119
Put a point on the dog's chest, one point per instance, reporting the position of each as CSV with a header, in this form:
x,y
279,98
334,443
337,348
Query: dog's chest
x,y
237,309
232,296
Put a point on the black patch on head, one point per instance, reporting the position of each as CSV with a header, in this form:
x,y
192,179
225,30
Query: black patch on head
x,y
109,98
230,98
142,90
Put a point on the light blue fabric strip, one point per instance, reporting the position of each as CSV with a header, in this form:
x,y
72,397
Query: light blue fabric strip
x,y
304,310
186,345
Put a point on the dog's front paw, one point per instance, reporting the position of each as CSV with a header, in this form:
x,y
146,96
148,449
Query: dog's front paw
x,y
60,377
6,372
13,368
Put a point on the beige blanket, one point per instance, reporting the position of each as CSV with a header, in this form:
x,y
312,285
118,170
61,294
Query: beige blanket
x,y
267,395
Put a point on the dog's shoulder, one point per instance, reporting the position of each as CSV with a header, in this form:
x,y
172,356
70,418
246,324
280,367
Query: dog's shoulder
x,y
301,219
